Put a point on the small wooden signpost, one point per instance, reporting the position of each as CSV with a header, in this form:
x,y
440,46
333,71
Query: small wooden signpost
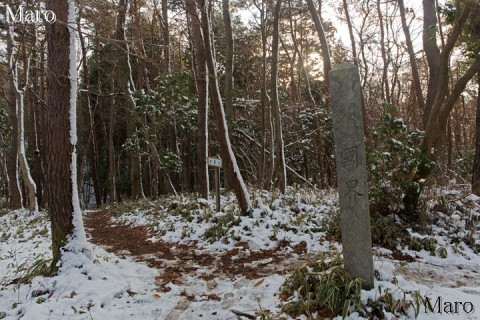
x,y
217,164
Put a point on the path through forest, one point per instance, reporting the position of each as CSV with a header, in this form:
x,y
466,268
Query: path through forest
x,y
185,264
178,262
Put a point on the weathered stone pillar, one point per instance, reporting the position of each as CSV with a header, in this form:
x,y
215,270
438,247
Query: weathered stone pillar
x,y
351,171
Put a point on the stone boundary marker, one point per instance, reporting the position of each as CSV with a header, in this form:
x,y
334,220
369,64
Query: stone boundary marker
x,y
351,171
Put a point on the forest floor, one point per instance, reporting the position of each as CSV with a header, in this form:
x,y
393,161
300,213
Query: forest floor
x,y
183,259
177,258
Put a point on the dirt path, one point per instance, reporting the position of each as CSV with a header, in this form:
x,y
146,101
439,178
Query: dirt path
x,y
178,260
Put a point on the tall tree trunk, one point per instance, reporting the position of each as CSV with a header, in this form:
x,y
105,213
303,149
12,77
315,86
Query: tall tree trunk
x,y
355,62
448,104
320,146
20,118
112,173
42,120
12,160
450,144
230,163
4,173
264,174
350,32
202,183
166,37
63,204
438,109
92,155
443,102
35,127
280,168
227,22
327,63
24,167
126,85
432,53
383,50
139,49
476,164
413,60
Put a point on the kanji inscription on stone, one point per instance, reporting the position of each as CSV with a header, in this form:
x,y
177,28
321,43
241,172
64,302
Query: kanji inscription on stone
x,y
349,140
349,158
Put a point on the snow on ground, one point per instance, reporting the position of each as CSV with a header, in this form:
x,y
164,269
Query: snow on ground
x,y
296,217
113,287
109,287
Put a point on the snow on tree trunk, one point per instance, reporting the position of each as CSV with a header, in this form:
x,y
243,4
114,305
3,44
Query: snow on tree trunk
x,y
80,240
24,167
230,163
12,161
19,107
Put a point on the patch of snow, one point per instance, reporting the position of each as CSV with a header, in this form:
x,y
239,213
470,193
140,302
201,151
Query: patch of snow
x,y
451,192
472,197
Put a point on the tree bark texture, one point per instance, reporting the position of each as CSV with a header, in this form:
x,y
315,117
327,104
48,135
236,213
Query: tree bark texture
x,y
432,53
383,50
355,62
12,158
440,101
166,37
202,182
125,85
350,32
59,149
440,107
27,179
92,154
413,60
227,22
476,164
279,167
327,63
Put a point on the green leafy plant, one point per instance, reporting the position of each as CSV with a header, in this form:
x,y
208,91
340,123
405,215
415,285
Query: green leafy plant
x,y
221,227
39,267
386,232
394,157
322,286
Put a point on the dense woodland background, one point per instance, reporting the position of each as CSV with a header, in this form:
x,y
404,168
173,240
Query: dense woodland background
x,y
164,84
118,105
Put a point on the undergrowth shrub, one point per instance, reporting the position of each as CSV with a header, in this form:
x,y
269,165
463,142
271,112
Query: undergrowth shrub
x,y
458,217
394,156
324,288
386,233
221,227
23,271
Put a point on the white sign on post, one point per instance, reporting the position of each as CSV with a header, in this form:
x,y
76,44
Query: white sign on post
x,y
215,162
